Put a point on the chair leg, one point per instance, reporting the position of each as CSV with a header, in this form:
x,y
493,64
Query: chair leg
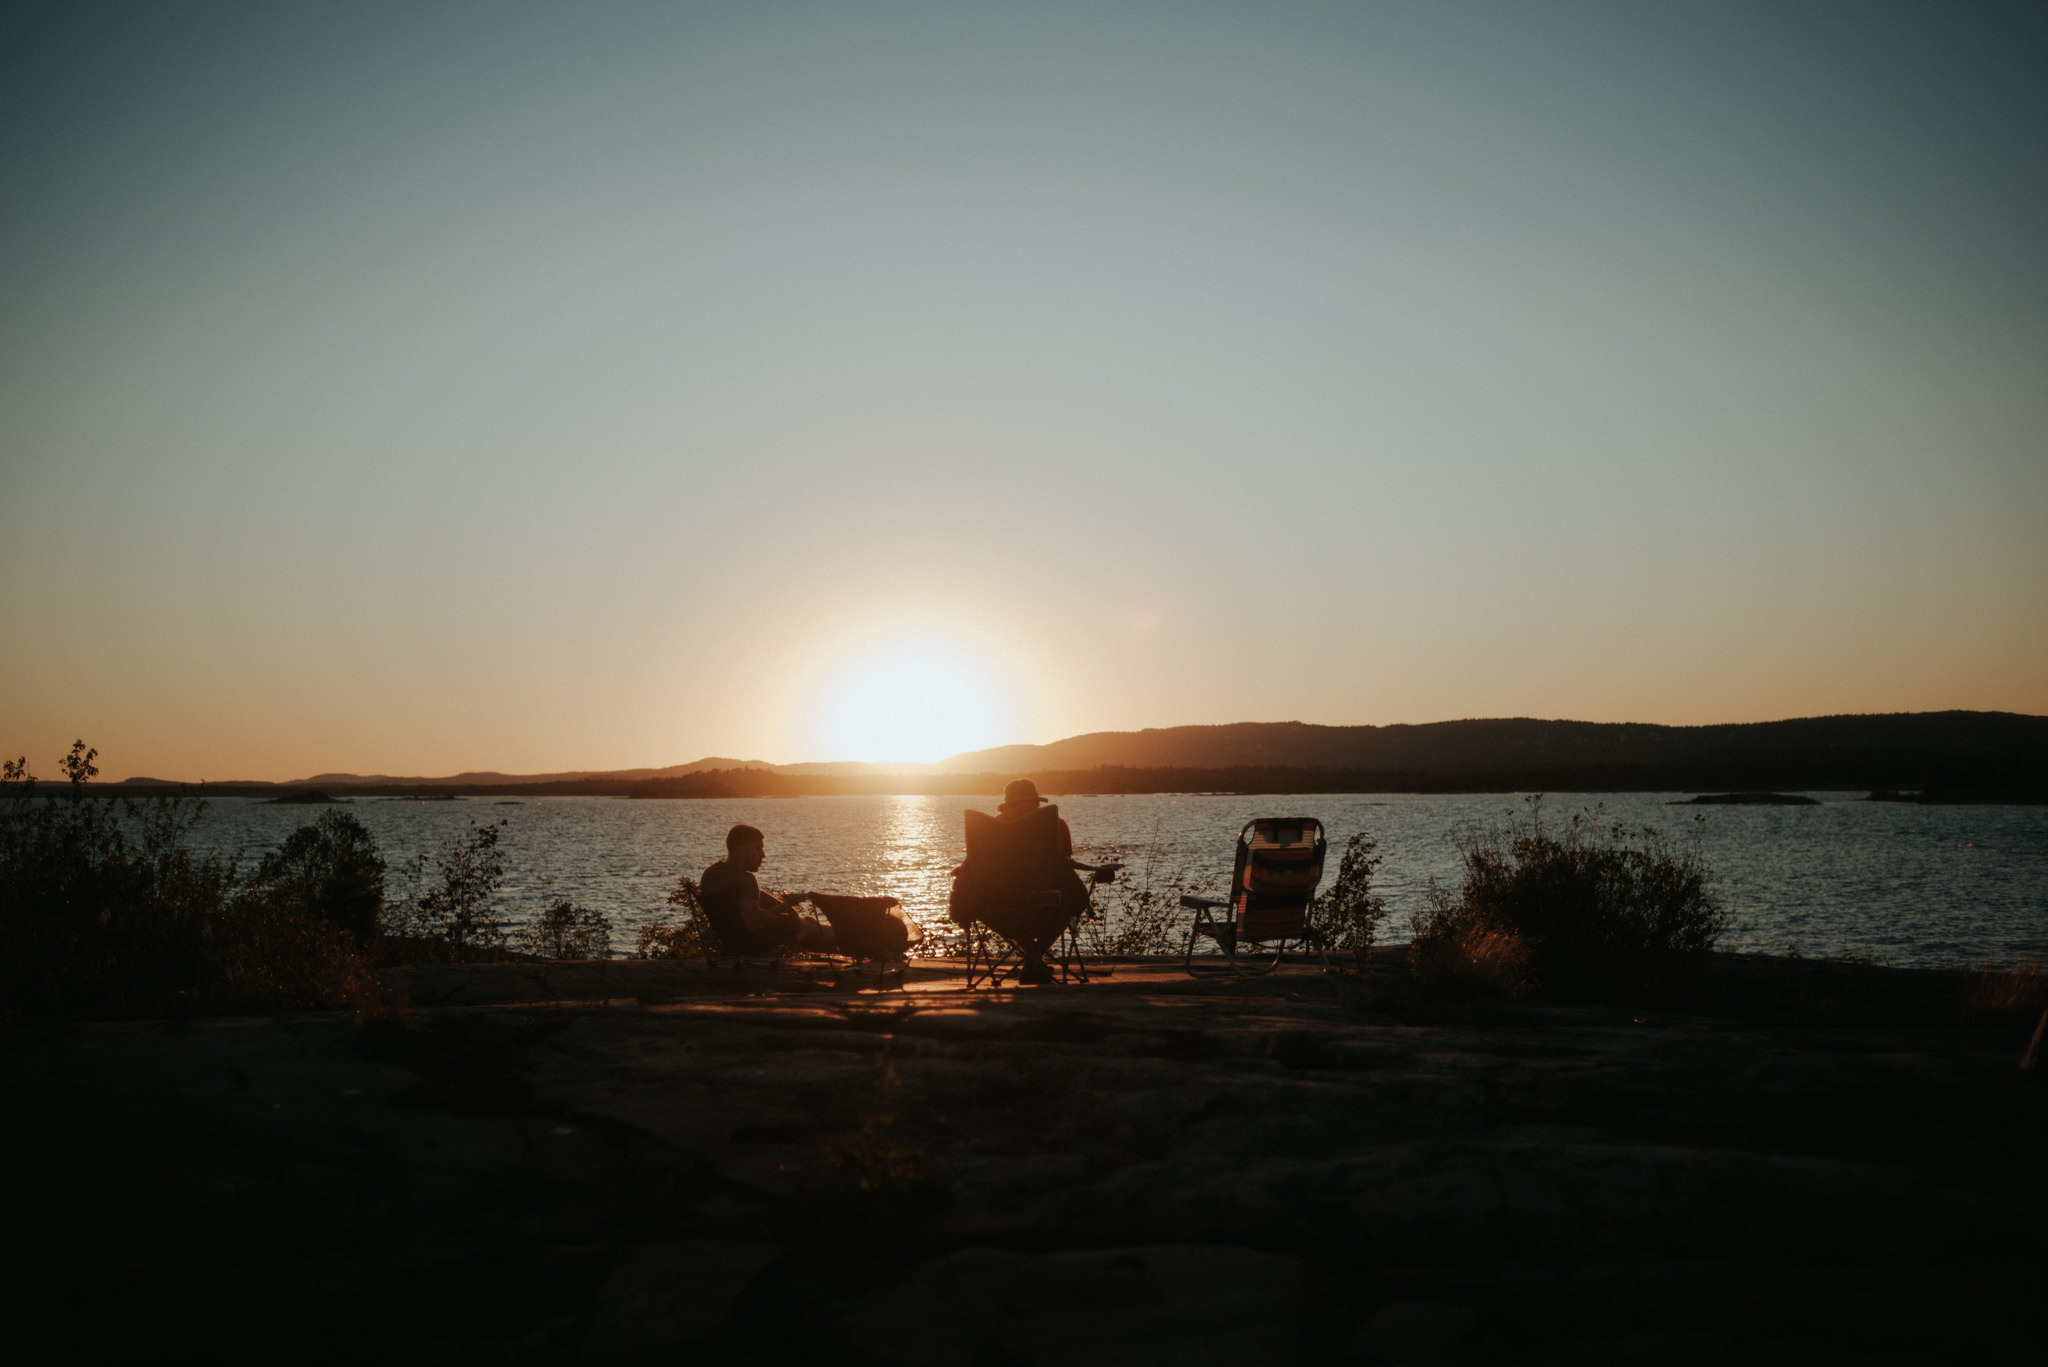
x,y
977,946
984,965
1254,965
1219,931
1072,966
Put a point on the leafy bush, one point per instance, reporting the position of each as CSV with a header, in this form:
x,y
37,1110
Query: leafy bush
x,y
330,869
567,931
105,913
685,939
1582,910
455,919
1349,915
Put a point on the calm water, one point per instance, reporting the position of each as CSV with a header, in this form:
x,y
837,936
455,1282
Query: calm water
x,y
1900,884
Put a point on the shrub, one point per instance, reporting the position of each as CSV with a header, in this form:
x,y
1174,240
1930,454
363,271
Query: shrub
x,y
1349,914
567,931
330,869
102,916
656,940
263,956
1592,910
456,919
685,939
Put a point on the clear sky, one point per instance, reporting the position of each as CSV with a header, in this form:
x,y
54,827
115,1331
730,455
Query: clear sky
x,y
421,387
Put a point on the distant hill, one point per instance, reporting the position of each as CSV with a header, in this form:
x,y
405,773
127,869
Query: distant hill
x,y
1949,756
1513,743
492,778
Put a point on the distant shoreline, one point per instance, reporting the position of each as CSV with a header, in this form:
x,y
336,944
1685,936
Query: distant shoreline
x,y
1707,779
1956,756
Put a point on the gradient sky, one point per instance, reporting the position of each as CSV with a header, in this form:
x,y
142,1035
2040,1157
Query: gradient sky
x,y
413,388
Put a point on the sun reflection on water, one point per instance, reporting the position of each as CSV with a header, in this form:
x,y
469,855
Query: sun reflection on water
x,y
915,868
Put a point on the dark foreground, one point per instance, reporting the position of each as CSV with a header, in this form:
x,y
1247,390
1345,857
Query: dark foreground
x,y
1146,1169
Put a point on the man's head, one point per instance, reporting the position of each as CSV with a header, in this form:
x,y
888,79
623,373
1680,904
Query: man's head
x,y
1021,796
746,847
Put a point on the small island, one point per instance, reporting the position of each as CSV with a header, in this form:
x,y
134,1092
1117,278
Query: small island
x,y
1750,800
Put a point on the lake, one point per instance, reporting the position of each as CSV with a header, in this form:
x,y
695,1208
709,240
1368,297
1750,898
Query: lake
x,y
1896,883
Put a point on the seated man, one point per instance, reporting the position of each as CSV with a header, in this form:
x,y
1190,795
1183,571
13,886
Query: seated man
x,y
732,896
1033,926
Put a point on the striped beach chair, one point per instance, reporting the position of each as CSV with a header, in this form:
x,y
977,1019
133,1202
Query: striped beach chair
x,y
1270,907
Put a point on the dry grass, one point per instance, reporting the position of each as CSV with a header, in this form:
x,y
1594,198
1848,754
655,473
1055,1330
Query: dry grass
x,y
265,957
2004,996
1458,956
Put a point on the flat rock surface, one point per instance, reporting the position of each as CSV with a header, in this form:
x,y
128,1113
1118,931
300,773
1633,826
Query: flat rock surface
x,y
656,1163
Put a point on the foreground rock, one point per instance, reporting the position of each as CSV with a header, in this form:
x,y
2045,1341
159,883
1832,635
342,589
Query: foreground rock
x,y
720,1168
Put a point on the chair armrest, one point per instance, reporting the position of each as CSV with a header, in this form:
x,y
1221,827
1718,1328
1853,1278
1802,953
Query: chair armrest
x,y
1198,903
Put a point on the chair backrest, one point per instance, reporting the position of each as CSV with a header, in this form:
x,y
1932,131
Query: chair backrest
x,y
1279,864
1021,850
731,929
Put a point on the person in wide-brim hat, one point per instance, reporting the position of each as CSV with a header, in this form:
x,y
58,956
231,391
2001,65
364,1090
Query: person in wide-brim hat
x,y
1034,930
1021,796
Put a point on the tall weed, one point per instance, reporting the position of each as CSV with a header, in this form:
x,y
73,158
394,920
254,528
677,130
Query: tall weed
x,y
2004,996
1141,915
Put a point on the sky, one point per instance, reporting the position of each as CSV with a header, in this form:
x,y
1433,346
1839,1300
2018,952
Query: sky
x,y
416,388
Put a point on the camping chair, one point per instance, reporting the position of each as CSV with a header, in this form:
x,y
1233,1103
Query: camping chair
x,y
730,944
1272,888
870,931
1017,867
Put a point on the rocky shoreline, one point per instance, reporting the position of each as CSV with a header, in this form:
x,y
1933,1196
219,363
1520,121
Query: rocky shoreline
x,y
646,1162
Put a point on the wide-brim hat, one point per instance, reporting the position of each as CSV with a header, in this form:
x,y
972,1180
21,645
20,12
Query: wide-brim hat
x,y
1021,793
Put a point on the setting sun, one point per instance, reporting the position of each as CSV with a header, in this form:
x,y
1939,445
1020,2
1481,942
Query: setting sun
x,y
910,706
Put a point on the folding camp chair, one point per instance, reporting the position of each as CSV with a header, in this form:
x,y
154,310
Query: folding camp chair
x,y
723,936
728,943
1272,888
1017,870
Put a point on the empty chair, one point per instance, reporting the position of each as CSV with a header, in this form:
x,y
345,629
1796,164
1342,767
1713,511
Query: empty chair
x,y
869,929
1271,902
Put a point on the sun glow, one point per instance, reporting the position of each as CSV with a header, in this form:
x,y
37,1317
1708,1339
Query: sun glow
x,y
911,706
